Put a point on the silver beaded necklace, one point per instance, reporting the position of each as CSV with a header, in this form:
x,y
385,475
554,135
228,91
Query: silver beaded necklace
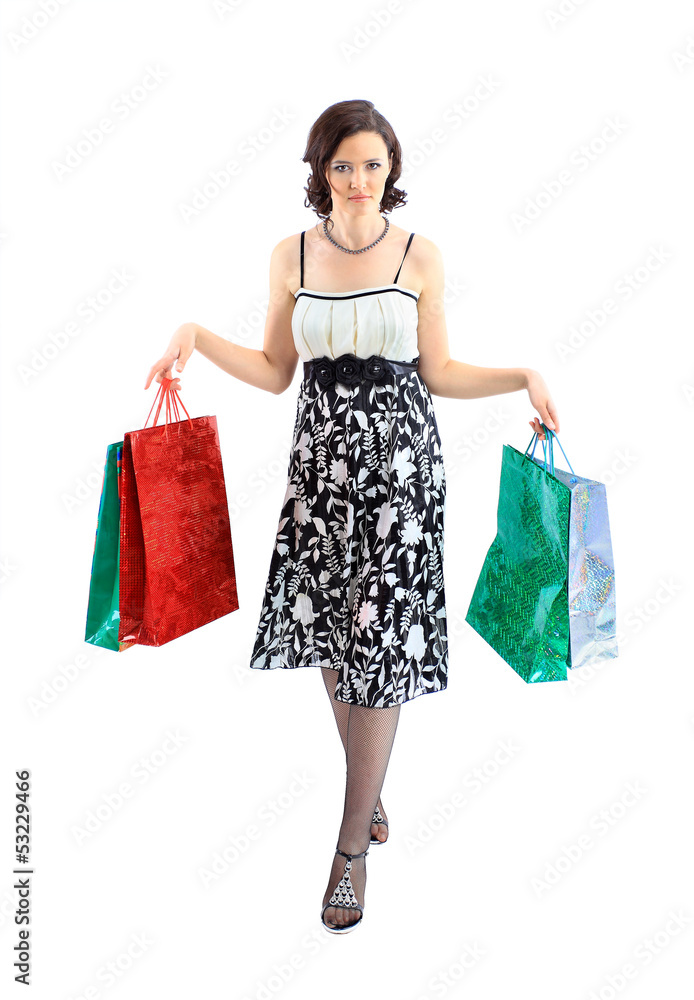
x,y
362,249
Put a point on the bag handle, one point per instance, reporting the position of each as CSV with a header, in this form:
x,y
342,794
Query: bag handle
x,y
552,437
172,401
549,442
533,441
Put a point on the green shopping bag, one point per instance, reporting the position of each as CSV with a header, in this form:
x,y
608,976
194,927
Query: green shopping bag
x,y
520,604
102,610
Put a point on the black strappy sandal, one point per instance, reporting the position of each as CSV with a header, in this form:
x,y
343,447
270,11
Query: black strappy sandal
x,y
343,895
379,819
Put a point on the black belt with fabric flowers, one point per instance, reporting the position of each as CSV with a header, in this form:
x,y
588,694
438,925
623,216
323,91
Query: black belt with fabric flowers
x,y
352,370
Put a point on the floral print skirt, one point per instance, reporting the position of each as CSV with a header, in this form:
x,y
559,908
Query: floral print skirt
x,y
356,574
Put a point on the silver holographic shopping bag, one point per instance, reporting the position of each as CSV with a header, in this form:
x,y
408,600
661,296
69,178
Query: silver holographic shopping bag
x,y
591,577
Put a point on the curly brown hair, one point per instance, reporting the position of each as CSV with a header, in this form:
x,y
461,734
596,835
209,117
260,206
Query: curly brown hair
x,y
336,123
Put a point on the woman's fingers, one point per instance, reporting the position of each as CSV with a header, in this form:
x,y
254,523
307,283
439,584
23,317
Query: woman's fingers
x,y
551,410
177,353
183,356
545,418
551,421
159,369
536,425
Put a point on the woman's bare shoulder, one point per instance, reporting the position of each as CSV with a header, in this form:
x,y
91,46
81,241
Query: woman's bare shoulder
x,y
427,263
424,250
285,261
286,247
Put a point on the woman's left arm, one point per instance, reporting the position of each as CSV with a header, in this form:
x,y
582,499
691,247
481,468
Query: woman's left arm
x,y
445,376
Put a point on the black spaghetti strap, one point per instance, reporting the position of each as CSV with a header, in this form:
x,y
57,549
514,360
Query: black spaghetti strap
x,y
302,258
403,258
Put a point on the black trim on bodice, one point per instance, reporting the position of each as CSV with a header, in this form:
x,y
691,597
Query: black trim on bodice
x,y
357,291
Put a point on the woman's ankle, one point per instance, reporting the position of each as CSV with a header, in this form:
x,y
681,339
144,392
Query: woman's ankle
x,y
351,844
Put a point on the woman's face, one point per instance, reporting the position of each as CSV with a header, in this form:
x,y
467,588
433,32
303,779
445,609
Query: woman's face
x,y
359,166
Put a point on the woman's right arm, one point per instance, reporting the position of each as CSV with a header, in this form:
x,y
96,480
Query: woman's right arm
x,y
271,368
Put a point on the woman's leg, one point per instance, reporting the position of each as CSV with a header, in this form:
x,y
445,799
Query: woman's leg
x,y
341,711
370,735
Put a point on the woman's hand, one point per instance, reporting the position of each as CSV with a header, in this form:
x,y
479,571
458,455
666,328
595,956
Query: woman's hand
x,y
180,349
543,403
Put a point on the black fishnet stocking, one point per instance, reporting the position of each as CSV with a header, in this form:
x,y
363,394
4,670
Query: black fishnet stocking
x,y
341,712
369,739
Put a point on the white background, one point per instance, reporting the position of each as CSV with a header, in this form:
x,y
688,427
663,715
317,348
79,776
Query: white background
x,y
81,719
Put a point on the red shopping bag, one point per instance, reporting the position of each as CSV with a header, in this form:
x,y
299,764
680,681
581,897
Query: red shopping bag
x,y
176,559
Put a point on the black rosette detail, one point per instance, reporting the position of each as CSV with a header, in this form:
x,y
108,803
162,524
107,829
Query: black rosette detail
x,y
348,369
374,369
324,371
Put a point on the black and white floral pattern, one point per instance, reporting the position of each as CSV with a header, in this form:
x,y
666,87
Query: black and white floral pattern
x,y
356,575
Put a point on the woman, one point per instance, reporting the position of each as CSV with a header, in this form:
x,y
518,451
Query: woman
x,y
355,584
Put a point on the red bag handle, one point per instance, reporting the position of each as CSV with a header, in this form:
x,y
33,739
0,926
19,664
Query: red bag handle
x,y
165,393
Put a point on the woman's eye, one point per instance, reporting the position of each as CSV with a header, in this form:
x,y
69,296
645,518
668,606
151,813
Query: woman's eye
x,y
339,166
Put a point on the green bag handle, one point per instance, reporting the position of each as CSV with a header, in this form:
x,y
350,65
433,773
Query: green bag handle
x,y
549,443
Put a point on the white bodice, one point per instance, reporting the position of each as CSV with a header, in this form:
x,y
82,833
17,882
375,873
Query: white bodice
x,y
380,320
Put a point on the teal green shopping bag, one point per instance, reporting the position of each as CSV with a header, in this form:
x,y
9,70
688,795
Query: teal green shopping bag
x,y
520,603
102,610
